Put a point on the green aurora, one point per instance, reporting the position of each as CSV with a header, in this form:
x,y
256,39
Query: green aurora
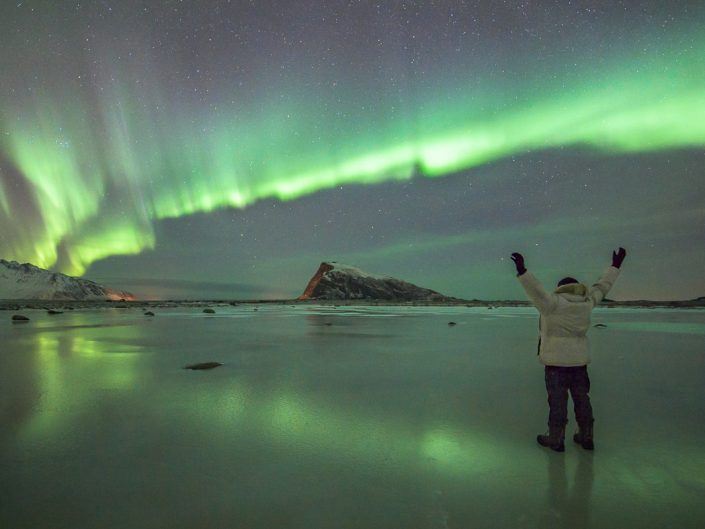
x,y
98,180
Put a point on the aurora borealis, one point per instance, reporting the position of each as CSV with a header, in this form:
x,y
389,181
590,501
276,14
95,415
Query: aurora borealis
x,y
425,140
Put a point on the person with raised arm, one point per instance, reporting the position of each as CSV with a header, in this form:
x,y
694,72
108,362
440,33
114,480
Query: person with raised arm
x,y
564,348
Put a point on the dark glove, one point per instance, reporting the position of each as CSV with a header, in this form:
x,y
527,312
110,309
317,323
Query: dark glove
x,y
618,257
519,263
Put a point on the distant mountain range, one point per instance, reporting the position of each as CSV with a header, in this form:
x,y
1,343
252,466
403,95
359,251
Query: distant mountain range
x,y
339,281
26,281
332,281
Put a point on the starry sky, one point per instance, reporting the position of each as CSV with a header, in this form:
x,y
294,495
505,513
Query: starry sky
x,y
223,149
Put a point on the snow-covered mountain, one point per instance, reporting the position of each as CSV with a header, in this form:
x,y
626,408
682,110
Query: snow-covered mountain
x,y
26,281
339,281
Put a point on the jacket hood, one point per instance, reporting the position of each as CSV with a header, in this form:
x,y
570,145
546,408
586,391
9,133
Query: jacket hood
x,y
577,289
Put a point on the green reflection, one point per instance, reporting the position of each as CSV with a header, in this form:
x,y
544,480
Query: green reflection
x,y
72,366
308,427
301,425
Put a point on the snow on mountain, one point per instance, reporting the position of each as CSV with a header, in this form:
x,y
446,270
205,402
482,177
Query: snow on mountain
x,y
340,281
26,281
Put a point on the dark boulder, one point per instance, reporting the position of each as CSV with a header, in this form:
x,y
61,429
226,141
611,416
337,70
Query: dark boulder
x,y
204,365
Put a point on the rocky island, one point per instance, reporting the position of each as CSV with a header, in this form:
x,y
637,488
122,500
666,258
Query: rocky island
x,y
337,281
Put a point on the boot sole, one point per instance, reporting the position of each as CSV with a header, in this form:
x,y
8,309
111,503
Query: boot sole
x,y
585,445
555,448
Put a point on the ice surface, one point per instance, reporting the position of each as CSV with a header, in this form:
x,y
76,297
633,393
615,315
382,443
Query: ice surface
x,y
347,417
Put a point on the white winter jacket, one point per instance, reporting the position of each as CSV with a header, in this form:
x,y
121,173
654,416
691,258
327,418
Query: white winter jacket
x,y
565,317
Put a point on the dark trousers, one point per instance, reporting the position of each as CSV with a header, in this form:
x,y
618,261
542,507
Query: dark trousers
x,y
560,380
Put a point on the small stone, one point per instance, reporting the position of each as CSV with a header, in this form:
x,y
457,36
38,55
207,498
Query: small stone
x,y
19,317
204,365
451,323
53,311
208,311
149,313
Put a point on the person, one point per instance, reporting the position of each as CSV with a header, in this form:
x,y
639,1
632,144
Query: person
x,y
564,348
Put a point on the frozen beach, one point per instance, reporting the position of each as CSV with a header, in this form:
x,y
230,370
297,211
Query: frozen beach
x,y
347,417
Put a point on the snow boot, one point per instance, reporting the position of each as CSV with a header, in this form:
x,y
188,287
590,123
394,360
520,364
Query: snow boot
x,y
555,440
584,436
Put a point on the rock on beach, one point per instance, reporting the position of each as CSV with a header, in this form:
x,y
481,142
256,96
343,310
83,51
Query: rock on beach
x,y
204,365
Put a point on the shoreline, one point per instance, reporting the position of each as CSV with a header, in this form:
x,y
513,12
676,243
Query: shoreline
x,y
57,304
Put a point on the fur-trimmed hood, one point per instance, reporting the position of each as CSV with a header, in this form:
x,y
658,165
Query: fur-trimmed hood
x,y
577,289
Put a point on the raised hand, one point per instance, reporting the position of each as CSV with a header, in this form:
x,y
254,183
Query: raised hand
x,y
519,262
618,257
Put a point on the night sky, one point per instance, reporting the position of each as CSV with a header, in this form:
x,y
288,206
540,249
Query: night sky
x,y
216,149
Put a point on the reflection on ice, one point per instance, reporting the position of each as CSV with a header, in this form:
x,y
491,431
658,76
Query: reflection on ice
x,y
662,327
342,417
